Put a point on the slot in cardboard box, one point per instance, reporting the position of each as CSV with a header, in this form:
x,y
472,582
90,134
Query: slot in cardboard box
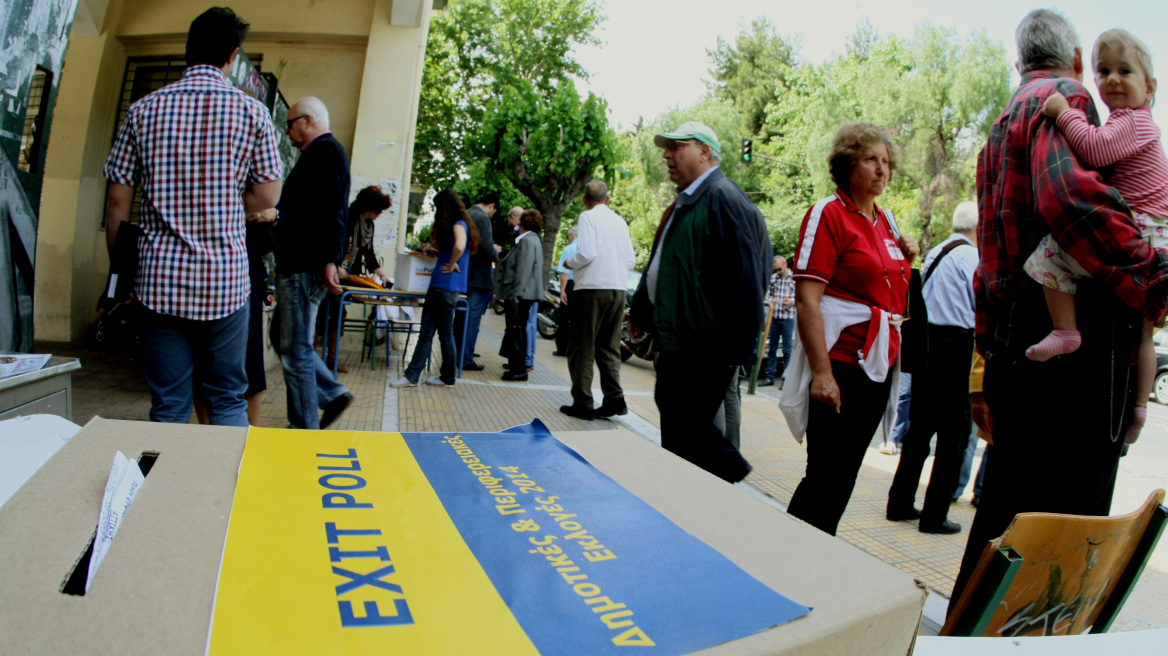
x,y
155,589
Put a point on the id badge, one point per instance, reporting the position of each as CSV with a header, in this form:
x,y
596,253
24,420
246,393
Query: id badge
x,y
893,249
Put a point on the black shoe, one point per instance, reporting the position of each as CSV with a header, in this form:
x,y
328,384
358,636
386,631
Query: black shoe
x,y
476,355
334,409
974,501
903,515
945,528
512,376
580,413
562,354
767,383
474,366
607,409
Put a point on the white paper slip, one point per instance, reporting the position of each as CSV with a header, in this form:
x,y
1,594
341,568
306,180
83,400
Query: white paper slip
x,y
124,481
27,443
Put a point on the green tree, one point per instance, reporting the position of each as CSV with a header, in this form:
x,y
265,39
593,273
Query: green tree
x,y
753,72
475,49
936,92
548,148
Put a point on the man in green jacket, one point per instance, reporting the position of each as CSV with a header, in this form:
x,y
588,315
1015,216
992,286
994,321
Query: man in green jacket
x,y
702,297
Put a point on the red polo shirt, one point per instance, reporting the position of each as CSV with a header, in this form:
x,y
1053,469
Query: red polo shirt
x,y
860,261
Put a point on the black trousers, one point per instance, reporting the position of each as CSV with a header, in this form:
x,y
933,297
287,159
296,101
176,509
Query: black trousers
x,y
515,336
564,320
836,443
689,392
940,404
1057,425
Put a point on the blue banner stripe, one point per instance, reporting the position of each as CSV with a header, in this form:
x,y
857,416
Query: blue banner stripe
x,y
586,566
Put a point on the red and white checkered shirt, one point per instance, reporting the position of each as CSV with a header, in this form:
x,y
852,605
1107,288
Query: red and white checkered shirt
x,y
192,148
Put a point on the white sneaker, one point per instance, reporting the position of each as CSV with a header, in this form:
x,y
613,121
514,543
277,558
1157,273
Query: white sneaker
x,y
888,448
403,382
436,381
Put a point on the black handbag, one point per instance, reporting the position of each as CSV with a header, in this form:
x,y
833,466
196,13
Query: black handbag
x,y
914,333
119,285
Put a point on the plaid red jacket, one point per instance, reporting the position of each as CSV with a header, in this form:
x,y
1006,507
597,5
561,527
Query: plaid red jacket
x,y
1029,184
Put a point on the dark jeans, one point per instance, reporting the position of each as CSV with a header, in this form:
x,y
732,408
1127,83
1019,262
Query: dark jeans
x,y
515,337
437,317
180,353
781,329
477,301
940,404
836,443
564,319
688,393
596,339
1062,459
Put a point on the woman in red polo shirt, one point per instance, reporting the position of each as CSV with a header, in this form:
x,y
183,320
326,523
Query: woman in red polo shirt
x,y
851,261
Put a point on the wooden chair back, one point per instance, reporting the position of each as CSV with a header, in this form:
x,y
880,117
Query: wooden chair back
x,y
1052,574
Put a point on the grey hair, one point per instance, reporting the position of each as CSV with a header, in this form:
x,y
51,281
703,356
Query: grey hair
x,y
574,231
965,217
312,106
595,191
714,156
1046,42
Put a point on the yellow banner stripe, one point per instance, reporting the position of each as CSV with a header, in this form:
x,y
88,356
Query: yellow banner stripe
x,y
414,588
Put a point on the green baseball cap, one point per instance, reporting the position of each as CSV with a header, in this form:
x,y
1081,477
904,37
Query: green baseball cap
x,y
691,130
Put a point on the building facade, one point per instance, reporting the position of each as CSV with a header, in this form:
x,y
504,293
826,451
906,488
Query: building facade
x,y
363,58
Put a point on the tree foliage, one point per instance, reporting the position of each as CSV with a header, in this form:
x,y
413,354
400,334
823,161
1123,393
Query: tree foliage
x,y
475,49
547,146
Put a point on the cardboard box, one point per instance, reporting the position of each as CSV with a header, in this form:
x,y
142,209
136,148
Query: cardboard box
x,y
412,271
154,592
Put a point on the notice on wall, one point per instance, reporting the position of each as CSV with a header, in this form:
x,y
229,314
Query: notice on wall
x,y
344,542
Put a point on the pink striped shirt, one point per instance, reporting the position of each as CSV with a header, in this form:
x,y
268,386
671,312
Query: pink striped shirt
x,y
1130,143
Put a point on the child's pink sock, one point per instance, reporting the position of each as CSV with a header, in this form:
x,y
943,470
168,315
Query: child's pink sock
x,y
1133,432
1058,342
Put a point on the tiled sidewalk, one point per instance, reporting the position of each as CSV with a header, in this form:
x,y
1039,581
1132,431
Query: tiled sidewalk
x,y
111,386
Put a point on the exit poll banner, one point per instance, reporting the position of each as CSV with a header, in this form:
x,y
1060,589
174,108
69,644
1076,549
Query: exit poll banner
x,y
458,543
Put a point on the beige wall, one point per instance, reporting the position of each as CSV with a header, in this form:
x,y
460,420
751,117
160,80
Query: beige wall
x,y
343,51
383,146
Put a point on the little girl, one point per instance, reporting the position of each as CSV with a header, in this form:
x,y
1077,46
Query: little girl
x,y
1130,144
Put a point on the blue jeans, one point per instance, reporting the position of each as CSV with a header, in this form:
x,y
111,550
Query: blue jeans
x,y
531,333
780,329
903,400
478,300
977,482
310,384
178,352
437,317
966,463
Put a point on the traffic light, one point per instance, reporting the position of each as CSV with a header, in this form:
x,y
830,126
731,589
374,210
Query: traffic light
x,y
747,151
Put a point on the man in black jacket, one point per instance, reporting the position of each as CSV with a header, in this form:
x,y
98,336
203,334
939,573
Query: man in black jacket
x,y
702,297
313,214
479,278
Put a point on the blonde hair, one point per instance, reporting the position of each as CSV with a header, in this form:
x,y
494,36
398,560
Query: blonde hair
x,y
1122,39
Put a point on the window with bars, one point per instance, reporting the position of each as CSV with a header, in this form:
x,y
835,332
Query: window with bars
x,y
32,144
143,76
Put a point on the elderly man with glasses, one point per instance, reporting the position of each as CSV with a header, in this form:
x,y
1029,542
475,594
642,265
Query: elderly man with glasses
x,y
702,296
314,211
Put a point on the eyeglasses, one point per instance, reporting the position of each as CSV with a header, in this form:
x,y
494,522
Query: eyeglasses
x,y
293,120
678,145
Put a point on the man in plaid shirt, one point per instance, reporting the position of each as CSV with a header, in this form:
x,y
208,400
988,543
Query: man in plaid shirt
x,y
1046,458
204,156
782,297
